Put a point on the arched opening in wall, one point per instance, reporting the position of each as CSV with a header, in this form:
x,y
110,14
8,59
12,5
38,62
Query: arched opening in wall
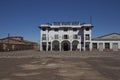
x,y
55,45
65,45
75,45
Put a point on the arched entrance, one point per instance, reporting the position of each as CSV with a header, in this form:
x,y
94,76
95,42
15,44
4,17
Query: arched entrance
x,y
75,45
65,45
55,45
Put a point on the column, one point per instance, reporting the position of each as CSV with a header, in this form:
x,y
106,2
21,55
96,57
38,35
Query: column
x,y
119,46
103,45
60,46
90,46
111,46
97,45
80,46
51,46
41,46
46,46
70,46
84,46
47,39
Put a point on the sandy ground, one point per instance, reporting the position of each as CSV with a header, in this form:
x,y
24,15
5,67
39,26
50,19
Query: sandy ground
x,y
33,65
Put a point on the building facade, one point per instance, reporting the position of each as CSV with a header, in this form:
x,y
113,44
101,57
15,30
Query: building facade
x,y
14,43
72,36
65,36
109,42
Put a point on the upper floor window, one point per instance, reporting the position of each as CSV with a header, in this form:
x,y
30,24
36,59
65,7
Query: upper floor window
x,y
65,37
43,36
87,28
74,29
56,36
43,29
56,29
65,29
75,36
87,37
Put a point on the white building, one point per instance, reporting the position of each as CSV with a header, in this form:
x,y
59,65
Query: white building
x,y
109,42
71,36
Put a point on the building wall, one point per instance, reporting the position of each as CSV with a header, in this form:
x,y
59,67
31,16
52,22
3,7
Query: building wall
x,y
110,45
13,44
81,33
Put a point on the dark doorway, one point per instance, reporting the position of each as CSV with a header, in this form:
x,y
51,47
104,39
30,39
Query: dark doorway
x,y
65,47
44,47
55,45
87,45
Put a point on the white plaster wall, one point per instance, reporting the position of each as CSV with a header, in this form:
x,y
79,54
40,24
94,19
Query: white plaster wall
x,y
61,33
111,43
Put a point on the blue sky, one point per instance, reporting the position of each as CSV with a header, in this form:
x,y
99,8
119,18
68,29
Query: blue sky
x,y
22,17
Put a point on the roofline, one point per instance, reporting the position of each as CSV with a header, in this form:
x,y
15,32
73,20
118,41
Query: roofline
x,y
25,41
106,35
105,39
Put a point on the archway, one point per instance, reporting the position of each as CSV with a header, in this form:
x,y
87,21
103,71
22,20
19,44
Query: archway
x,y
75,45
55,45
65,45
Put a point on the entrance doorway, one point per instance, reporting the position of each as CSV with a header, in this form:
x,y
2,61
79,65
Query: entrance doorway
x,y
75,45
55,45
65,45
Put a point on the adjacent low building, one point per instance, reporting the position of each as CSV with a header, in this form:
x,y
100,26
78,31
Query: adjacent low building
x,y
72,36
14,43
109,42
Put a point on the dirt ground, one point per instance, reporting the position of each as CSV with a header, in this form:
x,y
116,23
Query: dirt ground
x,y
60,68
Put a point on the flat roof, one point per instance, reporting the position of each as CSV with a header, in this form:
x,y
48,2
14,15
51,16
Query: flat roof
x,y
64,24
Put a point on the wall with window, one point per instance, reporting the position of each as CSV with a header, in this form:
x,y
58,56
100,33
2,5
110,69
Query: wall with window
x,y
106,45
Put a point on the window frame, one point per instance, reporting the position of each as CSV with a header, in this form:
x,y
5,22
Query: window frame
x,y
66,36
87,36
107,45
56,36
44,37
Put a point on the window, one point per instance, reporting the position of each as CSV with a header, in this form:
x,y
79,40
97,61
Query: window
x,y
74,29
65,37
44,37
94,45
65,29
87,37
43,29
107,45
75,36
56,29
56,36
87,28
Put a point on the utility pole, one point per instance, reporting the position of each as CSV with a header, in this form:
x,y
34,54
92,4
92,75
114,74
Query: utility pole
x,y
8,42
